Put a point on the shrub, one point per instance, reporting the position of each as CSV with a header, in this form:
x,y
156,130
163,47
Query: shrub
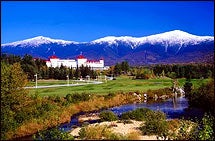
x,y
173,124
107,116
110,95
47,106
204,94
114,136
57,99
69,97
94,132
133,136
126,116
76,97
155,127
155,123
138,114
182,130
206,131
187,130
53,134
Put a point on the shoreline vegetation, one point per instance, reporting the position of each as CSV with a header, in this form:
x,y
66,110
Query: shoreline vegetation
x,y
63,115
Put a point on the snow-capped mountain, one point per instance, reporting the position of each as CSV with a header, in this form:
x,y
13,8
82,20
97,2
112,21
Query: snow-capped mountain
x,y
36,41
169,47
171,37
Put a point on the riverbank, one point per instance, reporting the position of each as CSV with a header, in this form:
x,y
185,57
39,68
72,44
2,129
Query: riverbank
x,y
118,127
62,114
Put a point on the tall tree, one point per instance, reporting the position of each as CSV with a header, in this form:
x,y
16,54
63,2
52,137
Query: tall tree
x,y
125,66
117,69
29,66
13,95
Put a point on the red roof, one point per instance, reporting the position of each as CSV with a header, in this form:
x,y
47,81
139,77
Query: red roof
x,y
80,57
53,57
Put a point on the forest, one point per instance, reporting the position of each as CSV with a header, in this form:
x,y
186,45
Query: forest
x,y
31,66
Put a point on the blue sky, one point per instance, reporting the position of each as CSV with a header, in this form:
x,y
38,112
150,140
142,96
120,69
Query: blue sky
x,y
87,21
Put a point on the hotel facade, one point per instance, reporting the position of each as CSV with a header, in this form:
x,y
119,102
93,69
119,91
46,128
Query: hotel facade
x,y
54,61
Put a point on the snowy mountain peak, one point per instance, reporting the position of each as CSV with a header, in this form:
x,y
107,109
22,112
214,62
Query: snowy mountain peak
x,y
36,41
128,40
174,34
113,39
175,37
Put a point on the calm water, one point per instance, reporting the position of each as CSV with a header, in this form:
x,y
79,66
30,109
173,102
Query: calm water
x,y
173,108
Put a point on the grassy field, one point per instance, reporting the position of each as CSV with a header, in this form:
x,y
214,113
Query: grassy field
x,y
123,83
51,82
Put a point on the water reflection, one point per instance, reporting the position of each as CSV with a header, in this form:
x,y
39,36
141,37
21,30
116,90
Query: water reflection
x,y
174,100
173,108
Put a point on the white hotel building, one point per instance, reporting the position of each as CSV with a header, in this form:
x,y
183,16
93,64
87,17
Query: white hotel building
x,y
54,61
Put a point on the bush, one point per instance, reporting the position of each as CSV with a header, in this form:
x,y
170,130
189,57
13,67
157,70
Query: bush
x,y
202,95
53,134
187,130
155,123
98,132
69,98
138,114
114,136
155,127
76,97
133,136
57,99
206,131
94,132
107,116
110,95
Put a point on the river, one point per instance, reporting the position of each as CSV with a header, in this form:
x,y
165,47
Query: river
x,y
173,108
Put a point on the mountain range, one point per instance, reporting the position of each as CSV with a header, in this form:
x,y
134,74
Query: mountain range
x,y
170,47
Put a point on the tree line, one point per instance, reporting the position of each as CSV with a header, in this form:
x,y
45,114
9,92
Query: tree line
x,y
32,66
189,71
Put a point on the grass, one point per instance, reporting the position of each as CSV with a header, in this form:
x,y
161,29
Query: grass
x,y
122,83
195,82
51,82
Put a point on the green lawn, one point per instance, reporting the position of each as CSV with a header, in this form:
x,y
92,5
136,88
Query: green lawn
x,y
122,83
51,82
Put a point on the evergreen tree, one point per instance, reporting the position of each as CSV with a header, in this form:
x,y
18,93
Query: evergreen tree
x,y
125,67
29,66
188,88
117,69
77,73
